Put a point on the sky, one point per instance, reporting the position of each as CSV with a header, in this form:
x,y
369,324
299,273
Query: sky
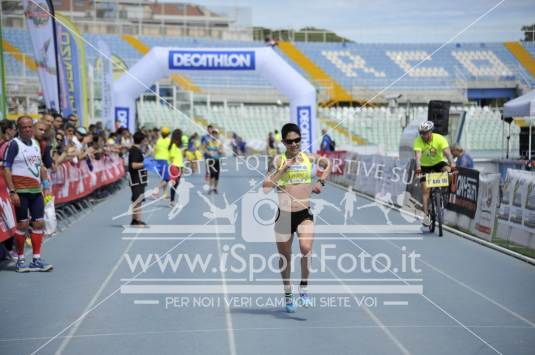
x,y
394,21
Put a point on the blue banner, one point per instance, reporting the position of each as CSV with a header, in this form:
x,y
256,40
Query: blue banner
x,y
72,70
304,121
212,60
122,117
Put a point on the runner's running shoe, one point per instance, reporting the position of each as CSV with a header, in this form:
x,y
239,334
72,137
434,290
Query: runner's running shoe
x,y
39,265
20,266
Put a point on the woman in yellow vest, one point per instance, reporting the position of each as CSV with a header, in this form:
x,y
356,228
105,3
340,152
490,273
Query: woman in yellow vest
x,y
161,158
176,162
292,177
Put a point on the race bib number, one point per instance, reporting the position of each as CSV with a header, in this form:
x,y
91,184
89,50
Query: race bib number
x,y
437,180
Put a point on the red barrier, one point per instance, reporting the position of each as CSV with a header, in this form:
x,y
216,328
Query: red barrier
x,y
73,181
69,182
337,161
7,213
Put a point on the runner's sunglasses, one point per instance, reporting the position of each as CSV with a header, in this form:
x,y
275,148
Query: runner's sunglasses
x,y
290,141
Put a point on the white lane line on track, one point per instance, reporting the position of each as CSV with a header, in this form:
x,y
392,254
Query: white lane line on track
x,y
377,321
443,273
432,302
228,314
95,297
300,328
480,294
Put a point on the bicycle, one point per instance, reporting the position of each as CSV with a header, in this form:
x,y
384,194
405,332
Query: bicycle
x,y
438,184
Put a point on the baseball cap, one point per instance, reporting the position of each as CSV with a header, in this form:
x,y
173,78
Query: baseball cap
x,y
165,130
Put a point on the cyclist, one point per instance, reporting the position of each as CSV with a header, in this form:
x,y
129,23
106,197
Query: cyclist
x,y
431,151
293,178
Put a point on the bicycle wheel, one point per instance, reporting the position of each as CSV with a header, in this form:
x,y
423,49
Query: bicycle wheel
x,y
432,213
439,206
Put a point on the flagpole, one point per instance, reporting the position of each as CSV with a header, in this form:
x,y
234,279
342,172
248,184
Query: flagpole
x,y
58,79
3,98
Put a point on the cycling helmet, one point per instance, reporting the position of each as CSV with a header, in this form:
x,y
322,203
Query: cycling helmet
x,y
426,126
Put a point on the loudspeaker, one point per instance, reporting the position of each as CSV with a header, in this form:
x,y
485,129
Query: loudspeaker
x,y
438,112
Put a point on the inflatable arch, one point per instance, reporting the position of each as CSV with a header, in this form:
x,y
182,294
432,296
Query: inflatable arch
x,y
160,62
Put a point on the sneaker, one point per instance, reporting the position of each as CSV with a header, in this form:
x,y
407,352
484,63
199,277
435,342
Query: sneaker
x,y
20,266
39,265
426,221
290,305
215,191
305,299
11,259
137,223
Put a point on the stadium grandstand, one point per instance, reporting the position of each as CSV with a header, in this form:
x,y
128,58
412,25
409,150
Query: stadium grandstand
x,y
373,102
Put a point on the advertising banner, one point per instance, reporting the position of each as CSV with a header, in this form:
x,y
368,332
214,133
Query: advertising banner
x,y
106,81
73,72
489,194
40,23
464,199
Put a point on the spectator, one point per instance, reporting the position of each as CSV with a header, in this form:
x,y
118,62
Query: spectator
x,y
138,177
44,143
25,175
463,159
271,150
176,163
278,141
215,152
161,157
8,131
327,144
126,138
193,154
73,120
58,122
47,119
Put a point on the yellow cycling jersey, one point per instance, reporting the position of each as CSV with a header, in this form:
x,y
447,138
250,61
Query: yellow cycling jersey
x,y
176,157
433,151
161,149
298,173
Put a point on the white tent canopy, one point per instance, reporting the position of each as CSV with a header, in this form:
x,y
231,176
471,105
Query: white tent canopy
x,y
160,62
522,106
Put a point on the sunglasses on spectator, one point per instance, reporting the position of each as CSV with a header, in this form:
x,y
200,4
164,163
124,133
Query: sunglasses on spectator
x,y
291,141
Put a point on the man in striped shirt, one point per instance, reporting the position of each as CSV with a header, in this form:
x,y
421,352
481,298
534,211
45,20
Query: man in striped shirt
x,y
26,178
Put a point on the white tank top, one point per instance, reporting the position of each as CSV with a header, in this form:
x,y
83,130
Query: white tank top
x,y
26,169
